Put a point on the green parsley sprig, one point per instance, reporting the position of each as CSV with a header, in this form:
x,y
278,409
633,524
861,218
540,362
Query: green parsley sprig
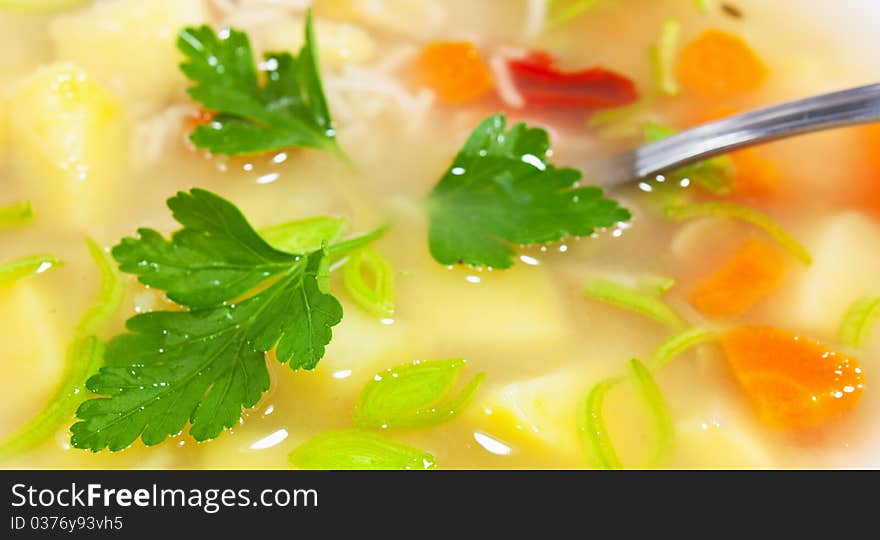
x,y
288,110
203,365
501,190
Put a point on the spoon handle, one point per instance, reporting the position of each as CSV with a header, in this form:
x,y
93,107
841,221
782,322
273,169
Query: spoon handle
x,y
826,111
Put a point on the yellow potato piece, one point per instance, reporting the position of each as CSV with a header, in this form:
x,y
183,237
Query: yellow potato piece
x,y
4,130
514,307
33,355
297,407
842,272
339,44
705,444
421,20
535,415
129,45
68,142
361,347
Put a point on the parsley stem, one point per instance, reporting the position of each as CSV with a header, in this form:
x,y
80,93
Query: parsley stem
x,y
339,249
303,236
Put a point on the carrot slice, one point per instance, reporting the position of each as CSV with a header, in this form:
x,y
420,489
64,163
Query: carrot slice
x,y
757,177
718,64
872,146
454,70
753,271
792,381
709,113
866,192
200,117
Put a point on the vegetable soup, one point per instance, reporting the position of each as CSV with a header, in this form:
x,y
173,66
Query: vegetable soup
x,y
365,234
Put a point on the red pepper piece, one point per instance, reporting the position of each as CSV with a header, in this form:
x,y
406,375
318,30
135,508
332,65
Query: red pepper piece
x,y
540,83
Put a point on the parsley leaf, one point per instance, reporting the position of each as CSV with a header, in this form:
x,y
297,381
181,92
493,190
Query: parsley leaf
x,y
217,256
203,365
288,110
500,190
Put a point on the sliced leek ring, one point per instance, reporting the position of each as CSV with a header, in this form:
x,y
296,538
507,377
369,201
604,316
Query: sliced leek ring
x,y
39,5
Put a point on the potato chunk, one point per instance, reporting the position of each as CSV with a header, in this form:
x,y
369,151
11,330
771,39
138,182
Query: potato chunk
x,y
707,443
4,130
68,142
361,347
128,44
517,307
843,271
339,44
420,20
538,414
33,354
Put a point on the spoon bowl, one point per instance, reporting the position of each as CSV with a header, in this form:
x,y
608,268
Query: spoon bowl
x,y
849,107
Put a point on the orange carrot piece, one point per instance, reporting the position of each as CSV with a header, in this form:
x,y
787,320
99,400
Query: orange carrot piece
x,y
866,191
872,145
753,271
200,117
792,381
709,112
718,64
756,175
454,70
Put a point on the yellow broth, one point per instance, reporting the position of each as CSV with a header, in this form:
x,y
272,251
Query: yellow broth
x,y
541,344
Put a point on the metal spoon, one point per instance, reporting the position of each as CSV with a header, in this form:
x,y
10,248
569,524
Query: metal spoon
x,y
826,111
